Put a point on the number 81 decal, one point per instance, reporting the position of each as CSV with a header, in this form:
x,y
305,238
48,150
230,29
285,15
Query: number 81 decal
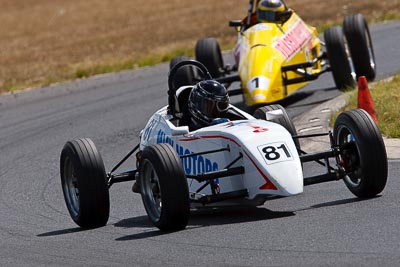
x,y
275,152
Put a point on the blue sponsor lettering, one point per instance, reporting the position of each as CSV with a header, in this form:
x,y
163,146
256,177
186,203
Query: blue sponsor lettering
x,y
200,164
147,131
162,138
187,161
193,165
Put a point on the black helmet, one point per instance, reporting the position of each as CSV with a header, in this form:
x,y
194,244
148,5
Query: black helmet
x,y
208,100
272,11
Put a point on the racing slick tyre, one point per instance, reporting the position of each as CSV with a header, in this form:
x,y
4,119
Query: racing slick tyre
x,y
358,37
184,75
164,188
84,183
338,57
285,121
362,153
208,52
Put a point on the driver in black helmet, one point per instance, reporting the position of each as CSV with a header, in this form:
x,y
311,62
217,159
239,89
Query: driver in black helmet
x,y
207,105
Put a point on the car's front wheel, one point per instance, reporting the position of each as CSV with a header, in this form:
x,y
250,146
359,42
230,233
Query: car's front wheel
x,y
284,120
362,153
164,188
84,183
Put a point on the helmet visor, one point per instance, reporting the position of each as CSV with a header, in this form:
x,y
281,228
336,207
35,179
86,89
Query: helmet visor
x,y
212,108
266,15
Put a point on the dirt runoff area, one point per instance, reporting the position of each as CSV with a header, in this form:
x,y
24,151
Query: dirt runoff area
x,y
45,41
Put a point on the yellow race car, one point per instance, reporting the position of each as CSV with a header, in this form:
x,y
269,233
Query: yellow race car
x,y
277,53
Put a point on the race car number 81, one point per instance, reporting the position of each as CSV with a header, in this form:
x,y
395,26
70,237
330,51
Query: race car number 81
x,y
275,152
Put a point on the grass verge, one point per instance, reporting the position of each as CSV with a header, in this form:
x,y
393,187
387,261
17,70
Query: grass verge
x,y
54,41
386,98
83,71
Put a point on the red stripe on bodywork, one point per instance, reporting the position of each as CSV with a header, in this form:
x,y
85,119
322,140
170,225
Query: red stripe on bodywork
x,y
210,137
189,139
268,185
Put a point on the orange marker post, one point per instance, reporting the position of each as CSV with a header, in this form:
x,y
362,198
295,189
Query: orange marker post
x,y
364,98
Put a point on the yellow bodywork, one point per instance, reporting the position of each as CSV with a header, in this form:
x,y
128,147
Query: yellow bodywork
x,y
264,48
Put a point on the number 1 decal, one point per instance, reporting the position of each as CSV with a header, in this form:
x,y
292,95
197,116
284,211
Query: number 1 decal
x,y
255,82
258,82
275,152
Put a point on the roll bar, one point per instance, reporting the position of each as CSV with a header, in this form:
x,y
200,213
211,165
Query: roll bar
x,y
173,107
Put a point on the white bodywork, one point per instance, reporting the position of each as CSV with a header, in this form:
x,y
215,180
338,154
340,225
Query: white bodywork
x,y
269,156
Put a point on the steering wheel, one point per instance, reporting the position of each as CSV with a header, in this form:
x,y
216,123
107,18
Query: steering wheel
x,y
173,107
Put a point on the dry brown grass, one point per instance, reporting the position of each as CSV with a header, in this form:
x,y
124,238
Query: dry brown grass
x,y
42,41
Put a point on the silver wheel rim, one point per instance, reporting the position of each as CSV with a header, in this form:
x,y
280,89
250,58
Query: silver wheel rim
x,y
151,190
70,187
345,136
350,60
370,51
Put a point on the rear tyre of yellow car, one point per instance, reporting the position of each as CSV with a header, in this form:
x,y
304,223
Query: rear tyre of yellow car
x,y
339,58
208,52
358,37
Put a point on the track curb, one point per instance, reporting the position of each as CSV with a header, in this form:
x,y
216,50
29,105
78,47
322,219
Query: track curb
x,y
317,120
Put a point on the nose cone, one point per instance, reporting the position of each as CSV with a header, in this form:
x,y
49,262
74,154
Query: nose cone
x,y
291,179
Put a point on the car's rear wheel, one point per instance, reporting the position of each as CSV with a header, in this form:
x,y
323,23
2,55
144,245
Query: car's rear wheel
x,y
184,75
164,188
284,120
359,39
362,153
84,183
208,52
339,58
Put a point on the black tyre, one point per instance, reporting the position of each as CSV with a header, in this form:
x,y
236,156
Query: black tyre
x,y
185,75
208,52
358,37
164,188
362,153
285,121
84,183
339,58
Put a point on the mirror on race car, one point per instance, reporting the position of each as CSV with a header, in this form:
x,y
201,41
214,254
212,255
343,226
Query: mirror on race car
x,y
235,23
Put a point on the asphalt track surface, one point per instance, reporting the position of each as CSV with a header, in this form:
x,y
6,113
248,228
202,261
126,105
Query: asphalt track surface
x,y
326,225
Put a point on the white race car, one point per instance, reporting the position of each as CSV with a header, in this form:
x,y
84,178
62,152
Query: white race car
x,y
244,161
